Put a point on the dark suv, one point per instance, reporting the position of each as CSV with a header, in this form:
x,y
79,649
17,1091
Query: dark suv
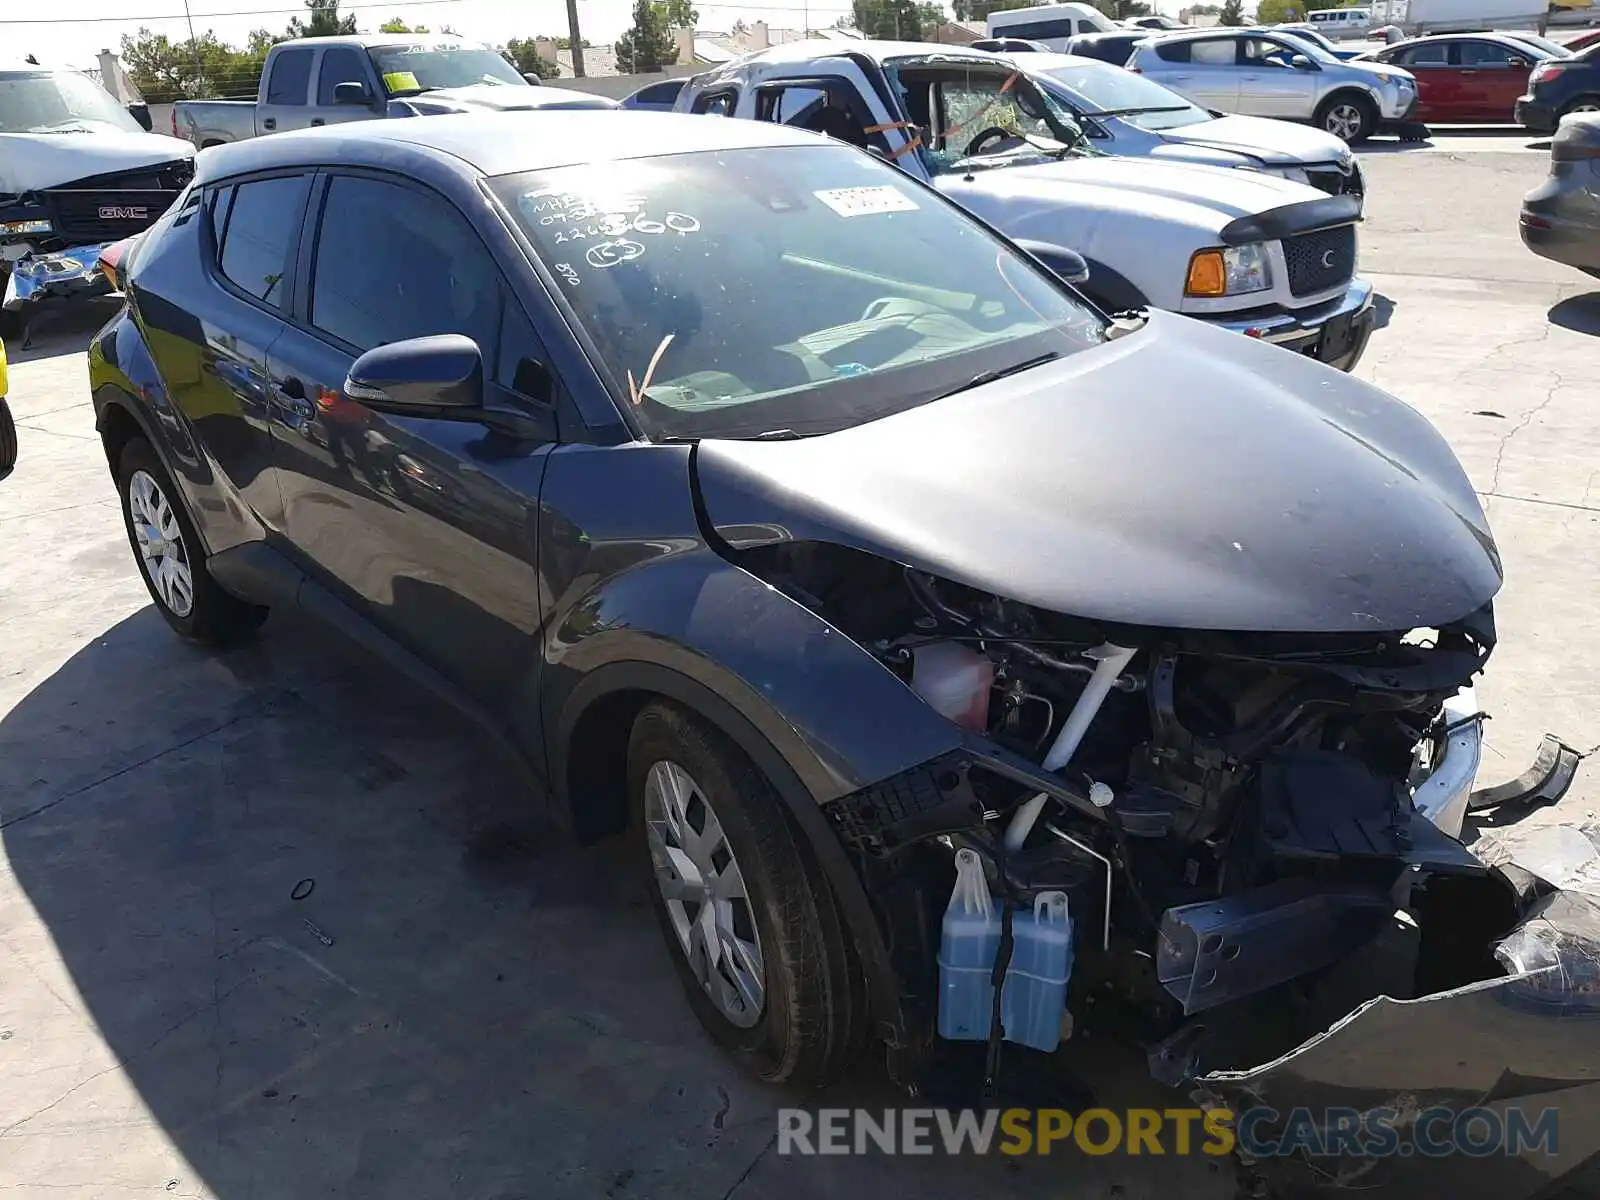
x,y
1558,87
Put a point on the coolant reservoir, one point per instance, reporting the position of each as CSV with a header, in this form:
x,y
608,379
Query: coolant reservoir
x,y
955,680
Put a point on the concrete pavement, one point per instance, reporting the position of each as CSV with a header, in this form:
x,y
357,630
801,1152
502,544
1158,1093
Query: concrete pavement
x,y
465,1005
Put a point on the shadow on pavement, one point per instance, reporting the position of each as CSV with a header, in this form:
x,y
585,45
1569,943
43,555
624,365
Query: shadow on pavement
x,y
60,330
1382,309
337,953
1581,314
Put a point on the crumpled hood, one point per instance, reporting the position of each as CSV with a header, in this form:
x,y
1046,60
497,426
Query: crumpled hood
x,y
498,98
29,161
1179,477
1200,197
1278,143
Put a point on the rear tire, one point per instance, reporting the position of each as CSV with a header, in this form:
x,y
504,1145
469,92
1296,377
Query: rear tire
x,y
8,439
1349,116
789,1005
171,556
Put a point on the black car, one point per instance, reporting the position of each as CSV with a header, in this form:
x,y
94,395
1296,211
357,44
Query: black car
x,y
659,97
1113,48
772,511
1559,86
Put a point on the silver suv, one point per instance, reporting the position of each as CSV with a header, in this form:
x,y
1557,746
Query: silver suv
x,y
1270,73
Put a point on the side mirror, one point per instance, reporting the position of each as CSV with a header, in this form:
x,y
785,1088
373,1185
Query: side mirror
x,y
1517,64
1067,264
533,79
439,376
352,92
141,114
1301,63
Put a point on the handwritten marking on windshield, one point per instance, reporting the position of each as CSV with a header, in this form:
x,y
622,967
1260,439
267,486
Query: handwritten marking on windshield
x,y
609,254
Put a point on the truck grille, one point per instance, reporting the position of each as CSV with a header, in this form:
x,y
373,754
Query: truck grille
x,y
1320,261
106,208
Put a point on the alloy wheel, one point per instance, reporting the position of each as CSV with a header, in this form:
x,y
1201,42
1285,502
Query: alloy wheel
x,y
1344,121
705,893
1585,106
162,553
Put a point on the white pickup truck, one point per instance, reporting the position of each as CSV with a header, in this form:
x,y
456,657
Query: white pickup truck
x,y
1242,249
330,80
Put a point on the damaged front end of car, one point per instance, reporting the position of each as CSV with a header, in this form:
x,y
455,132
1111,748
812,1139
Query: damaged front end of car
x,y
1260,840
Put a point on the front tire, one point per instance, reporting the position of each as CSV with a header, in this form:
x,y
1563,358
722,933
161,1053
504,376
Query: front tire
x,y
171,556
1348,116
8,439
750,922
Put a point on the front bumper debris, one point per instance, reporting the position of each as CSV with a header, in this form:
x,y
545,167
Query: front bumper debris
x,y
1334,332
44,279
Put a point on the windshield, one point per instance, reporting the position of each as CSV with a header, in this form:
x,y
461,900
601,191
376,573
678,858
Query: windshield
x,y
1553,49
1305,45
407,70
1309,35
1099,89
983,119
784,291
58,102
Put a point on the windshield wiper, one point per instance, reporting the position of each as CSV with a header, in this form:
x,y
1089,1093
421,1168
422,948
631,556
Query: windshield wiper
x,y
1133,112
770,435
983,377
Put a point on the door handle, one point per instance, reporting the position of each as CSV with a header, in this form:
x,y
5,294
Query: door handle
x,y
269,123
289,397
316,120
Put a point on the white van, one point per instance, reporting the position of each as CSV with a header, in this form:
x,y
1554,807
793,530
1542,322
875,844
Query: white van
x,y
1051,24
1341,24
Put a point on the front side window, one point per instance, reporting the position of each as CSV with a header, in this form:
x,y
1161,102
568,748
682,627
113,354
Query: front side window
x,y
394,263
290,77
1429,54
252,226
1097,90
784,290
411,70
716,104
978,119
1488,54
339,65
58,102
1218,53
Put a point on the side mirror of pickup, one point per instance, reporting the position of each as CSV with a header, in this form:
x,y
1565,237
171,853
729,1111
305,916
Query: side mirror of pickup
x,y
1066,264
352,92
140,112
533,79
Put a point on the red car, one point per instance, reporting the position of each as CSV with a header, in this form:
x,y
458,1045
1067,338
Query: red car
x,y
1468,78
1583,41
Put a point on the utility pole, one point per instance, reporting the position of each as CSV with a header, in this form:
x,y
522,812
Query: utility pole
x,y
574,37
194,46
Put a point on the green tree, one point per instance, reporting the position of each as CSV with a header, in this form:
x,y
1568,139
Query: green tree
x,y
164,70
1280,12
396,25
1232,13
648,45
681,14
523,54
323,20
1121,10
979,10
894,20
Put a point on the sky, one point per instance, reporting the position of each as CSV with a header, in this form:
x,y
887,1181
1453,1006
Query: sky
x,y
79,29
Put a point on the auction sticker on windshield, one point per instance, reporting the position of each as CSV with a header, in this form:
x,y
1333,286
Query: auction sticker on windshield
x,y
401,81
866,201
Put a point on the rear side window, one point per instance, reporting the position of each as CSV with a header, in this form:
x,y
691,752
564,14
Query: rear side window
x,y
339,65
395,263
290,77
717,104
1220,53
1173,51
1436,54
252,225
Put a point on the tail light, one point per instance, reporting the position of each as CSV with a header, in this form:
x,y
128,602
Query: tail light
x,y
1545,72
112,260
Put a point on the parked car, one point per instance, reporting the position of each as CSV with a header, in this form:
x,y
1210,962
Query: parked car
x,y
1241,249
1466,77
1561,217
8,427
1113,48
332,80
1126,114
76,173
1308,34
1583,41
1558,87
659,97
815,564
1009,46
1154,21
1262,73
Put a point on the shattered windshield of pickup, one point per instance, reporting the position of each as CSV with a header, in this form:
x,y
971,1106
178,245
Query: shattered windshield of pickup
x,y
979,118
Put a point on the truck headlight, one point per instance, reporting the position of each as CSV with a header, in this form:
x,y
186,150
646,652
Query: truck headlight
x,y
1229,272
23,228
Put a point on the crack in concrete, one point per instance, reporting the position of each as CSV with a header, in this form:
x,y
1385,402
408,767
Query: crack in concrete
x,y
748,1171
1500,452
1547,503
120,1065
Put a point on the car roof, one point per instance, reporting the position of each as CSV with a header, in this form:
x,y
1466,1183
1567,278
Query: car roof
x,y
1036,63
501,143
877,51
1488,35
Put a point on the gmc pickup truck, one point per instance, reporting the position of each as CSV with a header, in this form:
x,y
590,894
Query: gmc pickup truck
x,y
325,81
